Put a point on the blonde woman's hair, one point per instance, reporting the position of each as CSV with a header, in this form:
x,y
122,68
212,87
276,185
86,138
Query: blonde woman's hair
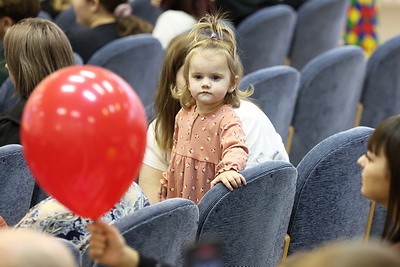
x,y
33,49
221,38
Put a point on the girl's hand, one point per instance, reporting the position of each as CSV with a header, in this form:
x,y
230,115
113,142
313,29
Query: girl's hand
x,y
162,194
231,179
107,246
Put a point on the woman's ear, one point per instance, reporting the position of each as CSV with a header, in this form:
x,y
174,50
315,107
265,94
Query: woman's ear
x,y
234,85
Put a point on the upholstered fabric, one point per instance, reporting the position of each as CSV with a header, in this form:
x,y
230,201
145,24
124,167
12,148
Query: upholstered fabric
x,y
264,37
7,96
66,20
74,250
330,90
145,10
78,59
328,204
16,184
319,27
381,91
44,15
251,221
161,231
137,59
275,91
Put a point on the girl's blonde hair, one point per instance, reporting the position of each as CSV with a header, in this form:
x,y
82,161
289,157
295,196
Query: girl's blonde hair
x,y
220,37
33,49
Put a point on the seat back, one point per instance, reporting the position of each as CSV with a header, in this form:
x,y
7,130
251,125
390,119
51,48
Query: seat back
x,y
319,27
161,231
251,221
264,37
381,90
7,96
330,90
275,91
78,59
328,204
16,184
145,10
73,249
44,15
137,59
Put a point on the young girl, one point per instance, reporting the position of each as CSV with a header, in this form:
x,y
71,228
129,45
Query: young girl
x,y
263,141
381,174
209,143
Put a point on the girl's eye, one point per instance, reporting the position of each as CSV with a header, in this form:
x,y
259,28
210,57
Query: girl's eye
x,y
197,77
367,157
215,78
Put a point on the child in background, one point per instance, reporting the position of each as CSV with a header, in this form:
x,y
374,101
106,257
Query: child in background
x,y
209,143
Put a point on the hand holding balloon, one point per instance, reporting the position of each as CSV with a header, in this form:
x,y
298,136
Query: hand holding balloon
x,y
83,131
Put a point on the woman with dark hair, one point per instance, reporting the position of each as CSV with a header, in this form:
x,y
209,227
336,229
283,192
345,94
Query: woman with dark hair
x,y
107,20
381,174
178,17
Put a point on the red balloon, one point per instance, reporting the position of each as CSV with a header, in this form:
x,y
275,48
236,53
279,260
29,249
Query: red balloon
x,y
84,134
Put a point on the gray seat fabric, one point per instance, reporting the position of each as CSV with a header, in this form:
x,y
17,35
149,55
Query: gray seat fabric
x,y
328,204
319,27
251,221
74,250
161,231
145,10
264,37
16,184
137,59
381,91
44,15
275,91
330,90
78,59
7,96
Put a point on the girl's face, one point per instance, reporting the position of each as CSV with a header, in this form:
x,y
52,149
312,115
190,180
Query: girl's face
x,y
209,79
375,177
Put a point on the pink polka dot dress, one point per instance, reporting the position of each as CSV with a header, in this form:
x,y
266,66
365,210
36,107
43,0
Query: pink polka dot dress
x,y
204,146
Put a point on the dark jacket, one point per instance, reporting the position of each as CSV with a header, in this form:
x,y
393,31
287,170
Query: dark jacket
x,y
10,122
240,9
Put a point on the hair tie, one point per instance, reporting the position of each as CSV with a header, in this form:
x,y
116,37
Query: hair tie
x,y
123,10
214,35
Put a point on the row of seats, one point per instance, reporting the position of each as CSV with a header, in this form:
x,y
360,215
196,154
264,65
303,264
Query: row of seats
x,y
335,91
275,33
270,35
317,102
317,202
